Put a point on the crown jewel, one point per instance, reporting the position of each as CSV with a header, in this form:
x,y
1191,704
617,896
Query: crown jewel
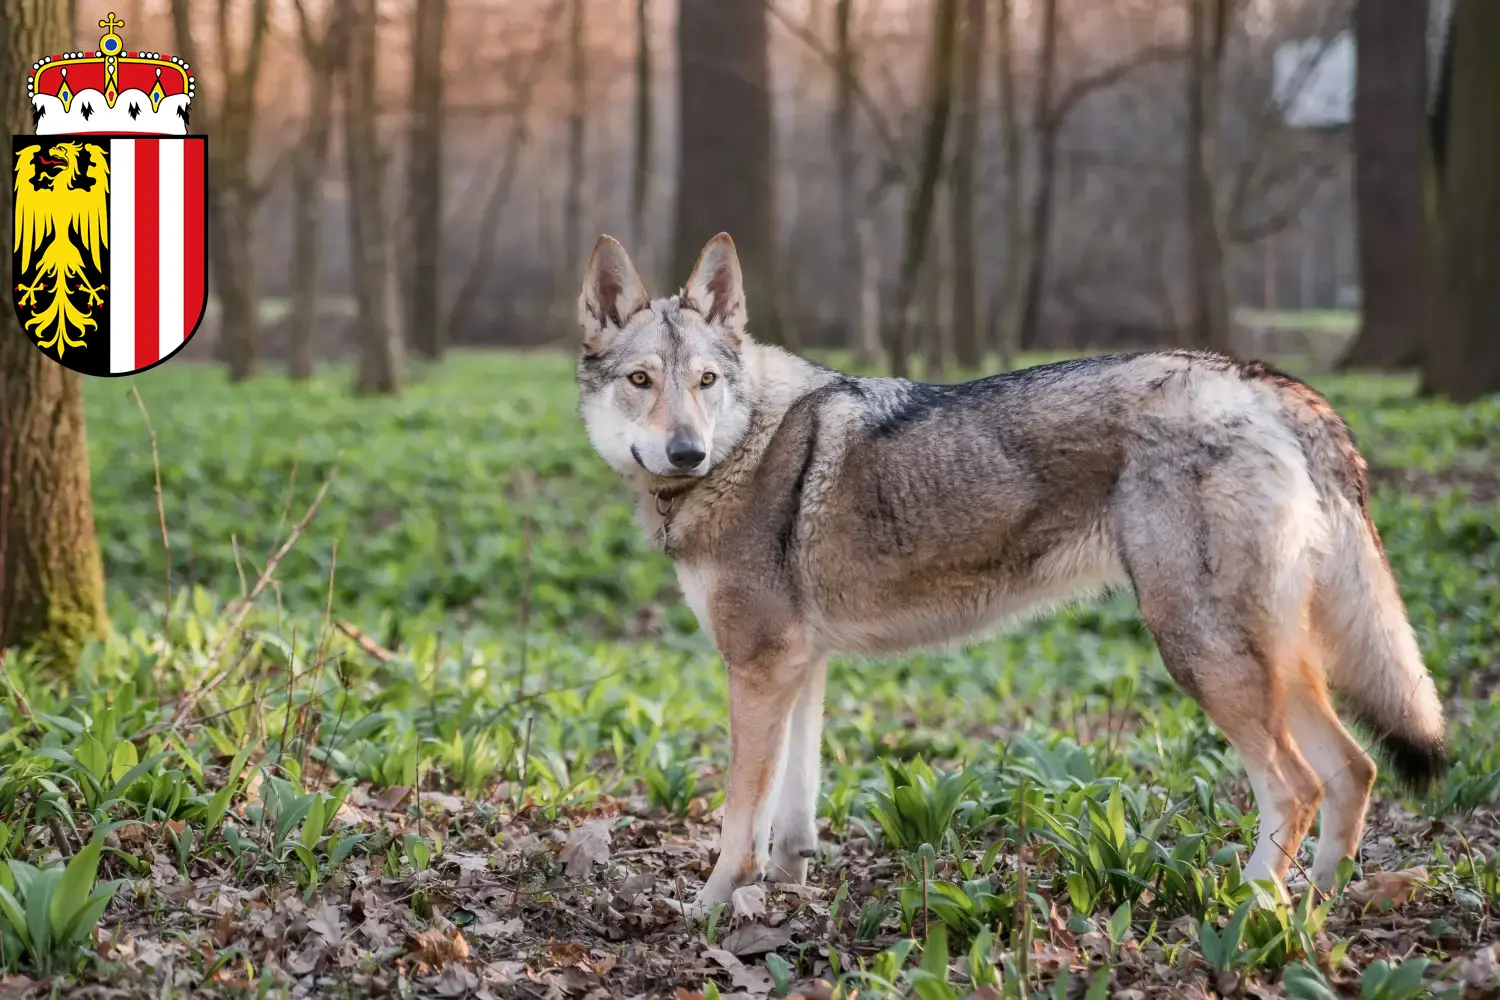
x,y
111,90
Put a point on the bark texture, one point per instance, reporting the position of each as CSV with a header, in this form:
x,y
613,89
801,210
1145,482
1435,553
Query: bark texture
x,y
968,325
424,182
1389,144
1462,359
227,107
1209,293
323,47
51,574
922,196
725,178
381,355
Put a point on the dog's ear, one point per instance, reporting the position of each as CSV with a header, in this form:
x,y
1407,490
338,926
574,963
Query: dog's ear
x,y
716,288
612,293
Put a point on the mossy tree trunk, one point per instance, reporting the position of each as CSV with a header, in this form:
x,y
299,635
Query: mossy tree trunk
x,y
51,575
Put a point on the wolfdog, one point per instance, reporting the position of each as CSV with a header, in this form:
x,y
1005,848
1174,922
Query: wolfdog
x,y
809,512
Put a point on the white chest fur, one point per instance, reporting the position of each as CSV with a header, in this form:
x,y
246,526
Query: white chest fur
x,y
697,583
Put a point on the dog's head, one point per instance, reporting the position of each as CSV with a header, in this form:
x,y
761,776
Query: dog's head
x,y
661,383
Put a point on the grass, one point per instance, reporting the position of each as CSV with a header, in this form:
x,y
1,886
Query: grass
x,y
466,738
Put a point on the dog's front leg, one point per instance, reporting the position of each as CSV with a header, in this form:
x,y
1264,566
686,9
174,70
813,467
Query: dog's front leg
x,y
761,694
794,830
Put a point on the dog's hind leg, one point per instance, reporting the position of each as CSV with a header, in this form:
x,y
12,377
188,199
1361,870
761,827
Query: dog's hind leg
x,y
794,829
1344,769
762,691
1222,584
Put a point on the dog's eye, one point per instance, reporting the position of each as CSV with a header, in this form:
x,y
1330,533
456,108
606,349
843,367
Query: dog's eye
x,y
708,379
640,379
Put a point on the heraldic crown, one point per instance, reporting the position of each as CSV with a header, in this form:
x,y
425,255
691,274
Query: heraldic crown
x,y
111,90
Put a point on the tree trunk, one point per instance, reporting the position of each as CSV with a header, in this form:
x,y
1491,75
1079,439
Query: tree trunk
x,y
1015,239
233,196
849,290
640,177
968,324
923,194
51,574
868,345
1209,319
577,120
725,178
1462,358
1390,108
324,52
938,281
381,358
424,198
1048,125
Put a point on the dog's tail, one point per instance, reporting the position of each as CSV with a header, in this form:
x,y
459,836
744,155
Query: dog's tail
x,y
1369,650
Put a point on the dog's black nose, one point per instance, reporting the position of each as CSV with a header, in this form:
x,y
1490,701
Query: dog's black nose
x,y
684,452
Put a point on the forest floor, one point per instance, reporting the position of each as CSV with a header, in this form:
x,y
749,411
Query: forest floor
x,y
405,707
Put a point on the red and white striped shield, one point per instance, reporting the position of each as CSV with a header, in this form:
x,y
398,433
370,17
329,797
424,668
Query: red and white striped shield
x,y
111,247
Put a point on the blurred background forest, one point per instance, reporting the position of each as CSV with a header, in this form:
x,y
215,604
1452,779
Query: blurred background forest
x,y
931,181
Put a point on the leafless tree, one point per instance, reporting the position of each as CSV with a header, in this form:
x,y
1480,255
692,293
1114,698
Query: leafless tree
x,y
1462,359
1390,111
922,196
1208,26
517,135
323,47
968,324
381,354
1015,239
229,109
572,223
424,183
725,180
640,177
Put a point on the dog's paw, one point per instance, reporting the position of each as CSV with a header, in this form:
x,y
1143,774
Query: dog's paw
x,y
790,864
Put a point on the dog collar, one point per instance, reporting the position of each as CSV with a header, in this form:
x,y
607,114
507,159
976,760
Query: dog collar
x,y
665,497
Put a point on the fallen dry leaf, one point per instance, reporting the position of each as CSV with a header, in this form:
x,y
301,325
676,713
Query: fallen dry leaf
x,y
568,953
753,979
727,959
749,901
499,928
587,844
1394,888
822,989
755,939
454,981
328,924
390,798
436,949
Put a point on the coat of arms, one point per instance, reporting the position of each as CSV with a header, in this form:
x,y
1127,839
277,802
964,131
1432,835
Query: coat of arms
x,y
110,251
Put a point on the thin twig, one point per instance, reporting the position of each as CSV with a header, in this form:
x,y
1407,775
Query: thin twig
x,y
15,692
524,622
1023,918
190,700
894,147
161,511
59,836
364,642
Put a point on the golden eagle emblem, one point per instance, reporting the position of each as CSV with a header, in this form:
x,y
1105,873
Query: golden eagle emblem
x,y
62,229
